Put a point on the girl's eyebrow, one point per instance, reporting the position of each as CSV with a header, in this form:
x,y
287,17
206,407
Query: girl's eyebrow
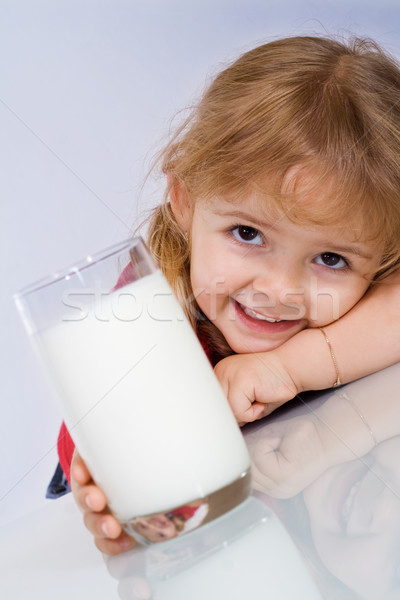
x,y
245,217
351,250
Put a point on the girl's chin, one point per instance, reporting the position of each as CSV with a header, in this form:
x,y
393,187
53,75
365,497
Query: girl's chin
x,y
252,346
250,342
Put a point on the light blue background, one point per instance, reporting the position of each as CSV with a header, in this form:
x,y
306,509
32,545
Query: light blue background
x,y
88,89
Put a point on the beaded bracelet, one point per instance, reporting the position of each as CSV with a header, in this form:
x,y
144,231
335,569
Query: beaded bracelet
x,y
338,381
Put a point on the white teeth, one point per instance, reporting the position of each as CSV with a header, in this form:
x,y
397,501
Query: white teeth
x,y
255,315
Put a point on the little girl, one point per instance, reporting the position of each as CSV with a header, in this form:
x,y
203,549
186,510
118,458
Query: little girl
x,y
280,230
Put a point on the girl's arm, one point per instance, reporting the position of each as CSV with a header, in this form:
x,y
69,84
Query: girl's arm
x,y
364,340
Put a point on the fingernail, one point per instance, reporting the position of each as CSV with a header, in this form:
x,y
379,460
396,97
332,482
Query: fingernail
x,y
88,502
104,529
126,542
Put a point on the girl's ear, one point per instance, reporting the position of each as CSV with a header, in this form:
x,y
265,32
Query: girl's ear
x,y
180,203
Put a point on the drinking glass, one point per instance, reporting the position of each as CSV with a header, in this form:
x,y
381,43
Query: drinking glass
x,y
137,392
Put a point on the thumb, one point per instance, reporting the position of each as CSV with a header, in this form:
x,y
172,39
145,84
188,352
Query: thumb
x,y
79,470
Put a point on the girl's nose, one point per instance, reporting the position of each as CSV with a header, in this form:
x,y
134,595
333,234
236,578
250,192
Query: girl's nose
x,y
284,289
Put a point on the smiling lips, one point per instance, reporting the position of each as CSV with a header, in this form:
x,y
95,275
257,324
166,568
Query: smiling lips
x,y
258,322
255,315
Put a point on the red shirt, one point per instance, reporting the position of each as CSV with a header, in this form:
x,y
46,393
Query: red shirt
x,y
65,448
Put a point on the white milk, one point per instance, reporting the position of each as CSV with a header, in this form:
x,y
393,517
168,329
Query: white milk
x,y
141,401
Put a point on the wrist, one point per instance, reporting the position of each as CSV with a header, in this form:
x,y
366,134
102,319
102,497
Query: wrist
x,y
337,381
308,359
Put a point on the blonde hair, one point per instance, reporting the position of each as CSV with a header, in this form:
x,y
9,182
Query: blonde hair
x,y
318,105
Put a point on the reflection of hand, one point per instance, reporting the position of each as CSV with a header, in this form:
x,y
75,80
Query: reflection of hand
x,y
255,384
108,534
287,456
134,588
290,454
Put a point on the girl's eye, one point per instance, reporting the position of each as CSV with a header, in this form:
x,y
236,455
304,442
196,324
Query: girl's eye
x,y
331,260
248,235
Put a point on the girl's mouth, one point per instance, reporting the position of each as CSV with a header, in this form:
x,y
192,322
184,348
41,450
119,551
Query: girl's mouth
x,y
262,323
254,315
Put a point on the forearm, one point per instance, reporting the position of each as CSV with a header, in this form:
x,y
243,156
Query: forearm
x,y
365,340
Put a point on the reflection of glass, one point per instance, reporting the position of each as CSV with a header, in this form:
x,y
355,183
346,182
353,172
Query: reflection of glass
x,y
245,554
138,394
161,527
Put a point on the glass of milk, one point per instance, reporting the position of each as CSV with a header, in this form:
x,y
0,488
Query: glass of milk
x,y
137,393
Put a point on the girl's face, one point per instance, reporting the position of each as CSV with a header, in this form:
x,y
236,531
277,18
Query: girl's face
x,y
354,511
156,529
262,279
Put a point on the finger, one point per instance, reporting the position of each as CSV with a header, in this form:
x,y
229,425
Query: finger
x,y
258,410
249,411
102,525
90,498
117,546
79,470
241,406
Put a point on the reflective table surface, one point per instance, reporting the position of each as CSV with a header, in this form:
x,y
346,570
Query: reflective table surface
x,y
323,520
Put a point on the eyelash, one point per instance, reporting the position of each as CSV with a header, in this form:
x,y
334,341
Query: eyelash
x,y
346,266
231,231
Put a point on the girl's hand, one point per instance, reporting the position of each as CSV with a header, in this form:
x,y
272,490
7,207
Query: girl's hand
x,y
255,384
108,534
